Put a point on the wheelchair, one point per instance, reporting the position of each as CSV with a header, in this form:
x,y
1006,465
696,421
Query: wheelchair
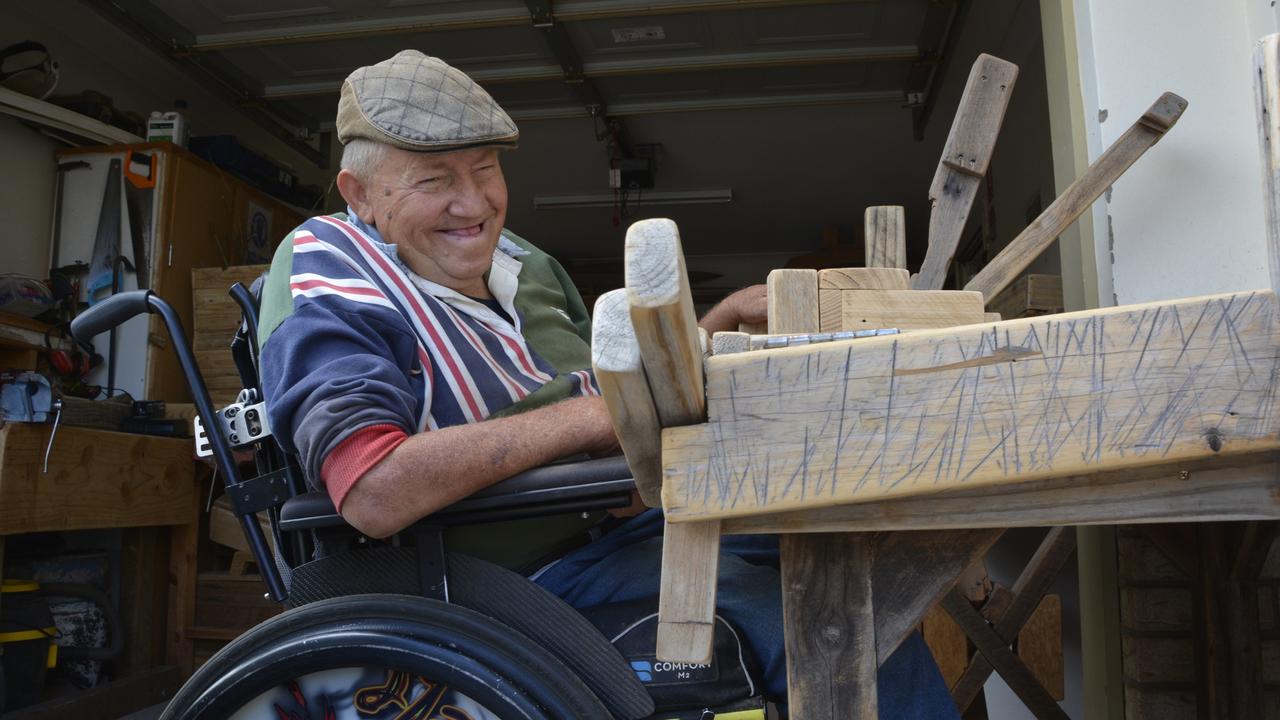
x,y
405,629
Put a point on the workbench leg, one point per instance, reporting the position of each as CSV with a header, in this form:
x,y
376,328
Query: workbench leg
x,y
144,560
829,625
183,540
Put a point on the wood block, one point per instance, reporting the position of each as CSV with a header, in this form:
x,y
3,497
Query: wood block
x,y
867,278
948,644
662,315
793,301
1029,295
903,309
687,599
96,479
1266,94
724,343
998,404
1040,646
220,375
615,355
885,233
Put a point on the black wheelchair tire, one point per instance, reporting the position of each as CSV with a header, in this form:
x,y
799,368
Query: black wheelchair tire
x,y
474,654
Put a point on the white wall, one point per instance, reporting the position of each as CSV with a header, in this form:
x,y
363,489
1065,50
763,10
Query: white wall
x,y
1187,218
26,198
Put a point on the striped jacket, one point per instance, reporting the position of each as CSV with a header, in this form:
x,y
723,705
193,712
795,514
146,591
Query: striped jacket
x,y
351,338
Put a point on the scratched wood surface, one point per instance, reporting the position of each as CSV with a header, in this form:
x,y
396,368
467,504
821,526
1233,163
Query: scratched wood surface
x,y
867,278
997,404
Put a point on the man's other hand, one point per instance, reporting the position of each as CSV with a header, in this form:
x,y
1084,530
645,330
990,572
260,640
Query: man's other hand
x,y
749,305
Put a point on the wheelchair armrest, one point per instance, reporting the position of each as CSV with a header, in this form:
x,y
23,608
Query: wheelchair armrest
x,y
546,490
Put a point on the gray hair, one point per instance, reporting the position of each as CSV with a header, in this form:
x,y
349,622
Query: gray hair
x,y
362,157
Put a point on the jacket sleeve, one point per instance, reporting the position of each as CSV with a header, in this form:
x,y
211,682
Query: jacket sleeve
x,y
330,371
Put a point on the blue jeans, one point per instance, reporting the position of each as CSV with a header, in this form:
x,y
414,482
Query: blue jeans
x,y
625,565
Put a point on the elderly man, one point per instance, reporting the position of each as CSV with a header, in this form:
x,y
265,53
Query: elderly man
x,y
414,351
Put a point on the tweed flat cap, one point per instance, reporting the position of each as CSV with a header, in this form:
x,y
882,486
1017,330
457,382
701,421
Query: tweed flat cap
x,y
421,103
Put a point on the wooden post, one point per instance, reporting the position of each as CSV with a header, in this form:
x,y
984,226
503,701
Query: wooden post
x,y
183,541
964,163
830,628
885,233
615,355
670,348
827,608
1005,267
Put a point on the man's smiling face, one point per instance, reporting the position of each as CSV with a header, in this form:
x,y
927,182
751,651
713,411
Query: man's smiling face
x,y
443,211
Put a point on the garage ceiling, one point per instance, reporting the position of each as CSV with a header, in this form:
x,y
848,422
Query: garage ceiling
x,y
785,105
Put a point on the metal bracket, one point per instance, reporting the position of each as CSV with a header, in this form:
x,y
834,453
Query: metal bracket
x,y
265,491
242,423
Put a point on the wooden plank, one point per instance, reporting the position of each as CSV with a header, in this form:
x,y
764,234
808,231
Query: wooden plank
x,y
724,343
615,355
793,301
948,644
885,231
144,559
1210,621
1156,495
1029,295
225,528
964,163
230,603
1000,404
1266,93
826,592
1028,591
994,649
215,316
687,597
912,571
1005,267
184,541
867,278
96,479
110,701
662,314
902,309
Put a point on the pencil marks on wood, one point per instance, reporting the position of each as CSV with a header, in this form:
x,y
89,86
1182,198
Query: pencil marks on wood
x,y
991,404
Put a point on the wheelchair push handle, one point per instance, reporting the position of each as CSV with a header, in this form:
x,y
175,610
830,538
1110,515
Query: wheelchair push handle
x,y
110,313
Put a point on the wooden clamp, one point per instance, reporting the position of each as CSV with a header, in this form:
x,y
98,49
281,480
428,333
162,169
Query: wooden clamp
x,y
615,355
661,309
964,163
1006,266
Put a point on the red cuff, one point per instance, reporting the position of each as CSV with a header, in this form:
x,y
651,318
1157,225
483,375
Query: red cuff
x,y
355,456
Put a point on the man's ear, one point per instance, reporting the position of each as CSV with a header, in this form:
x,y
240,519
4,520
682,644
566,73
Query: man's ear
x,y
354,191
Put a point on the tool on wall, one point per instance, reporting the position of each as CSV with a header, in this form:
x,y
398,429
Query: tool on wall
x,y
106,244
139,193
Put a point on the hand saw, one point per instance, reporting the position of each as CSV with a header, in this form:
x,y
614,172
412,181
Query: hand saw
x,y
106,244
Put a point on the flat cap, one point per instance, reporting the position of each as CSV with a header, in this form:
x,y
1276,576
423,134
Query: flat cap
x,y
420,103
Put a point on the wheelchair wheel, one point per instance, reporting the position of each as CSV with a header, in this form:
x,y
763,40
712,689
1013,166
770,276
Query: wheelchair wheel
x,y
383,656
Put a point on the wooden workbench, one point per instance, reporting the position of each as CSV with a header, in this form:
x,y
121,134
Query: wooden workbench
x,y
98,479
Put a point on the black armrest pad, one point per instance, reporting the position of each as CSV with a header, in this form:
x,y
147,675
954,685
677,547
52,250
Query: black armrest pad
x,y
563,487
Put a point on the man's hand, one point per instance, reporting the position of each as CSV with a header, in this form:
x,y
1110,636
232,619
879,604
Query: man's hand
x,y
748,305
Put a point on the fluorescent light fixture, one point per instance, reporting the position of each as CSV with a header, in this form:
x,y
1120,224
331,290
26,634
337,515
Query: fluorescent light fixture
x,y
634,197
